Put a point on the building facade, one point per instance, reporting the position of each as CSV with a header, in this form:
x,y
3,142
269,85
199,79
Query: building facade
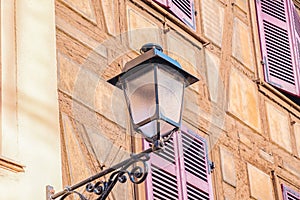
x,y
242,117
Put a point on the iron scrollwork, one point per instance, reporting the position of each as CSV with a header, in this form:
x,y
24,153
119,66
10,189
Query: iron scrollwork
x,y
135,169
136,175
118,173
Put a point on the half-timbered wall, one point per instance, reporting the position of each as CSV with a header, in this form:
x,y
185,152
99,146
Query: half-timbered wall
x,y
251,128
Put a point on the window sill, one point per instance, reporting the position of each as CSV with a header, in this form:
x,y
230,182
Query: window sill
x,y
11,165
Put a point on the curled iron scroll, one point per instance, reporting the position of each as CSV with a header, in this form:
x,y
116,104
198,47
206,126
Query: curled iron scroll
x,y
136,175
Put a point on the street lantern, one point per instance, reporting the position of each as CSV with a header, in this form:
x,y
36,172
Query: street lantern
x,y
153,85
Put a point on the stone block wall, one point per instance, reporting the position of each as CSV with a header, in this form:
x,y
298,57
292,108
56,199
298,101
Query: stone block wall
x,y
253,132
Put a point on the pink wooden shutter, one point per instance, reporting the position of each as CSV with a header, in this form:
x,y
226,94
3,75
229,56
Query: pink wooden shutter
x,y
163,181
296,30
164,3
276,44
289,194
185,11
181,171
196,180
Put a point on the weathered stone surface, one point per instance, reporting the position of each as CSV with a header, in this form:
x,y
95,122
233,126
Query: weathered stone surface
x,y
297,136
278,123
110,15
106,151
85,86
92,120
243,99
213,20
96,46
141,30
228,167
91,90
241,45
229,192
109,101
267,156
77,160
183,51
244,139
216,89
83,7
198,111
242,4
292,166
261,186
67,70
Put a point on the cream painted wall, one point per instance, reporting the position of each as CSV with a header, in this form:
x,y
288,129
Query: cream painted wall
x,y
8,81
32,97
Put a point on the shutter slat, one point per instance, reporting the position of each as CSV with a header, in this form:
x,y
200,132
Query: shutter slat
x,y
194,150
196,194
168,153
275,9
289,194
278,50
164,3
185,11
164,184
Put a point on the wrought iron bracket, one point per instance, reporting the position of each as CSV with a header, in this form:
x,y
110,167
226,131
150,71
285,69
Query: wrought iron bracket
x,y
135,168
118,173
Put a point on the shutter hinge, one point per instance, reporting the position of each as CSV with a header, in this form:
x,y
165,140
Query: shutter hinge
x,y
211,166
264,61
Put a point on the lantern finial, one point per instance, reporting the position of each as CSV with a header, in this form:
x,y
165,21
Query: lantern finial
x,y
149,46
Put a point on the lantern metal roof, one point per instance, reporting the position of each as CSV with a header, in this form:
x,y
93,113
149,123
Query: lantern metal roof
x,y
153,55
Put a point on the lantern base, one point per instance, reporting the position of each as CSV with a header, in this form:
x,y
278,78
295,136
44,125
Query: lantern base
x,y
157,129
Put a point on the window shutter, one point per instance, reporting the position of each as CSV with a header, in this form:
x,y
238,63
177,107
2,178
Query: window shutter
x,y
180,172
296,31
276,44
185,11
163,181
193,157
289,194
164,3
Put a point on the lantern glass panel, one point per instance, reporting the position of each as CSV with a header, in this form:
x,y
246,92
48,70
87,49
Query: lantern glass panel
x,y
170,93
140,94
